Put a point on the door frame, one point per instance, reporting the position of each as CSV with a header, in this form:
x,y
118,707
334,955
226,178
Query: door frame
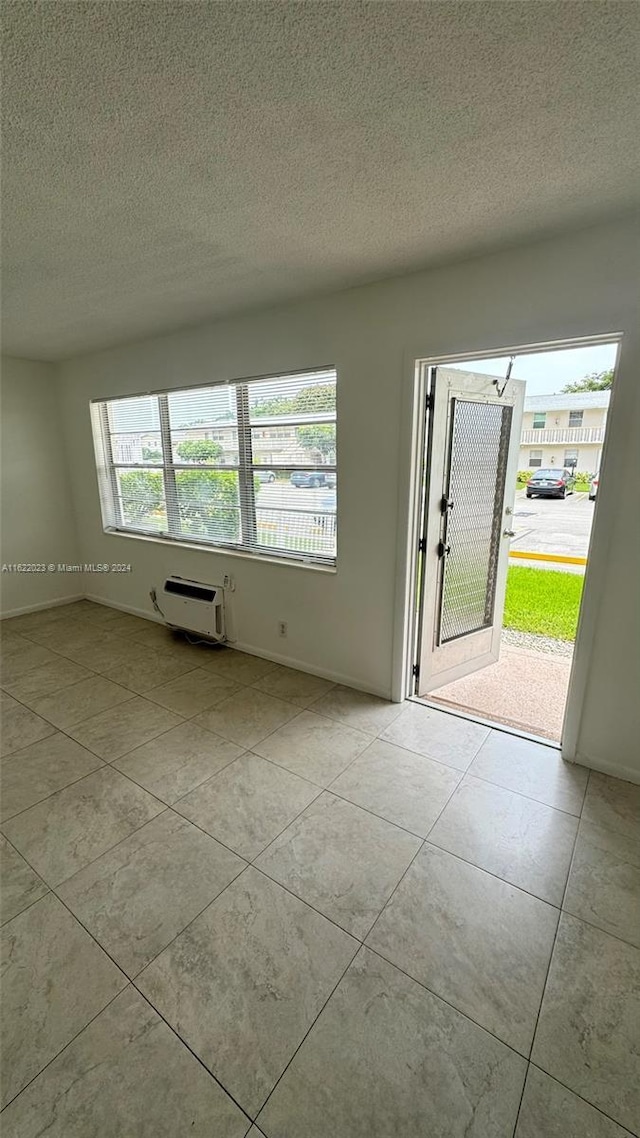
x,y
410,504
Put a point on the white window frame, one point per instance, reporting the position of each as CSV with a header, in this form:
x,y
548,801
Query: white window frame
x,y
245,468
578,415
539,415
537,461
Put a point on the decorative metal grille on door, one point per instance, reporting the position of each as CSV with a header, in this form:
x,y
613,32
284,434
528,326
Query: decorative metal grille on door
x,y
472,508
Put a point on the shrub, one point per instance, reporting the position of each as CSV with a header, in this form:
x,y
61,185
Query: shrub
x,y
208,503
523,476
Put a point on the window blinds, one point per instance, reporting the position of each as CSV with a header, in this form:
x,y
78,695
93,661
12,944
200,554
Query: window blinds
x,y
248,465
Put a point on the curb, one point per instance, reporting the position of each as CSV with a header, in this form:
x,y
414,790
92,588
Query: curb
x,y
559,557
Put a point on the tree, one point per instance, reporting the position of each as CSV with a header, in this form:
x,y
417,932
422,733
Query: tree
x,y
594,381
318,397
318,436
151,455
198,450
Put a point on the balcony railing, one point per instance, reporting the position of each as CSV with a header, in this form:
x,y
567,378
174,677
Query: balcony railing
x,y
563,435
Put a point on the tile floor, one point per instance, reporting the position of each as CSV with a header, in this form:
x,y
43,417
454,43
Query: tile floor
x,y
239,900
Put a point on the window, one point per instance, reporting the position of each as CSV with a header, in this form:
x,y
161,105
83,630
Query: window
x,y
535,458
248,465
539,420
575,418
571,458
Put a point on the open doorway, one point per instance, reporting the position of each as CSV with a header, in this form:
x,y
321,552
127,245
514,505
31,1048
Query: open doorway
x,y
510,457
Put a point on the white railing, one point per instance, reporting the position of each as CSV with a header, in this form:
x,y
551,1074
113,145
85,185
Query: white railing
x,y
563,435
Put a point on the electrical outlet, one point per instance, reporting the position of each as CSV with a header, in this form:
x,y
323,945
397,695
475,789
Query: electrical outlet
x,y
282,628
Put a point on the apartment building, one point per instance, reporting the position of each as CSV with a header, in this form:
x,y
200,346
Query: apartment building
x,y
564,430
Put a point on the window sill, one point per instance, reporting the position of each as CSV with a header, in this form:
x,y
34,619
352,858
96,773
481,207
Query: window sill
x,y
224,551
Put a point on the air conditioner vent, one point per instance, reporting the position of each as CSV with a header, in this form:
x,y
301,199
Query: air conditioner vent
x,y
193,606
188,589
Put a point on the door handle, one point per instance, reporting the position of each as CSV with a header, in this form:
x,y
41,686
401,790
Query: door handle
x,y
509,533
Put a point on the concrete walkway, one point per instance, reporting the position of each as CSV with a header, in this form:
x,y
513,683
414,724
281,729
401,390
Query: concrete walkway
x,y
525,689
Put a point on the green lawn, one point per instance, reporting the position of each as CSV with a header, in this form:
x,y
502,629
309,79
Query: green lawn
x,y
543,600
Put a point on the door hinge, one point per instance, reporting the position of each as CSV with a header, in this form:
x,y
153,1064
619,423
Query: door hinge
x,y
422,545
429,402
415,671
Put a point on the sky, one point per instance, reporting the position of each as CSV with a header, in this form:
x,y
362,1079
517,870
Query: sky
x,y
546,373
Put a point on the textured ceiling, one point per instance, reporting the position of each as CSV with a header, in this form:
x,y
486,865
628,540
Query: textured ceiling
x,y
169,162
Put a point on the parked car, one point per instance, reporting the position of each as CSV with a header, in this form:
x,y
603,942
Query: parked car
x,y
309,478
265,475
554,482
593,487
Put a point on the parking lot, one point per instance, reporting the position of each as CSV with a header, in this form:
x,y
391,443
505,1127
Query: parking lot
x,y
542,525
551,525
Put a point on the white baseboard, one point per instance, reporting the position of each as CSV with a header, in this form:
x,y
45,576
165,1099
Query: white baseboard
x,y
42,605
603,766
130,609
302,666
275,657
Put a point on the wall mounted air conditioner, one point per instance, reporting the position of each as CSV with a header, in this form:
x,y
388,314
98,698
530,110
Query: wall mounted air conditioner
x,y
193,606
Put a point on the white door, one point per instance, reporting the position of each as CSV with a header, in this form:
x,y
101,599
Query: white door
x,y
473,439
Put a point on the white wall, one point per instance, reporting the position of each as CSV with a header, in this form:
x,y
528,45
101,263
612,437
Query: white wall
x,y
342,625
36,523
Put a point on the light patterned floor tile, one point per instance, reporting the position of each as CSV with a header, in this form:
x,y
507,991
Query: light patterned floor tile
x,y
481,944
19,726
19,885
247,804
388,1058
30,775
239,667
139,895
114,733
358,709
80,701
613,803
125,1074
74,826
247,717
342,860
604,882
192,692
522,841
55,979
178,761
244,1010
145,668
314,747
532,769
445,738
18,662
52,677
407,789
588,1034
549,1110
298,687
